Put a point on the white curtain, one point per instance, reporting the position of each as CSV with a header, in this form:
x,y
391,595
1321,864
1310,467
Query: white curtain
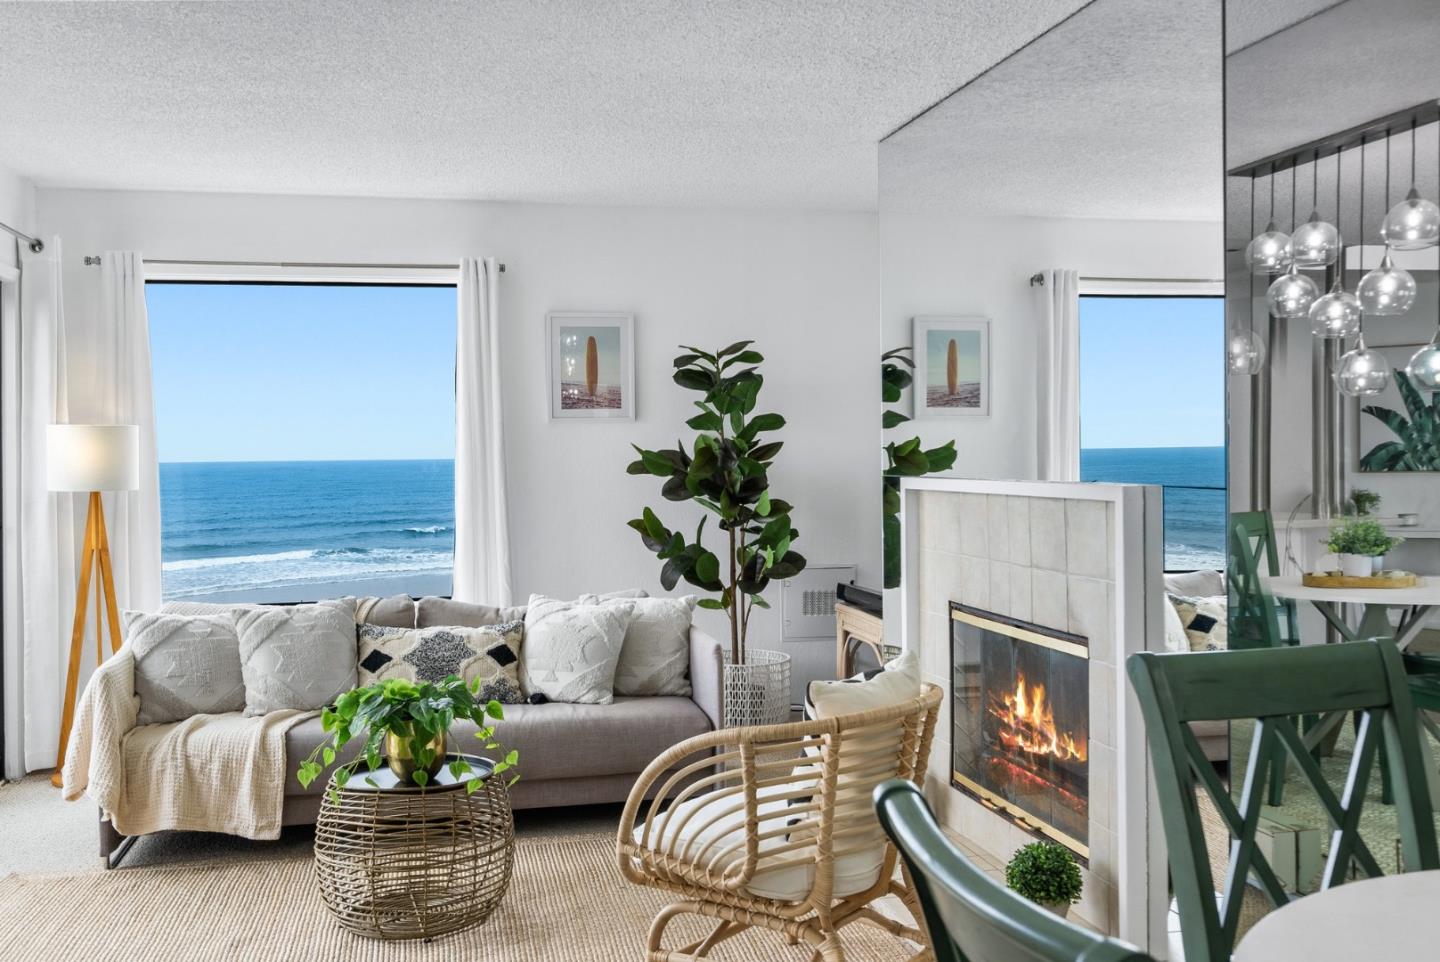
x,y
1059,378
132,518
40,527
482,533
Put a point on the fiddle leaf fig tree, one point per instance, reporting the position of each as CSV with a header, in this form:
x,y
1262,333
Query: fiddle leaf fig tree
x,y
903,459
726,472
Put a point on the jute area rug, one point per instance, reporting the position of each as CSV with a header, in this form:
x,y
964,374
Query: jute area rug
x,y
566,902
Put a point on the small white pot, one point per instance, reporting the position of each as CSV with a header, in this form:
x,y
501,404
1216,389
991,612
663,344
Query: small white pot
x,y
1061,909
1357,565
1378,563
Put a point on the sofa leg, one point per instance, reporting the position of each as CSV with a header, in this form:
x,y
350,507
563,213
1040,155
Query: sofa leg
x,y
113,845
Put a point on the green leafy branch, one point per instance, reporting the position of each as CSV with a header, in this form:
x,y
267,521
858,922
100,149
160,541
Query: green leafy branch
x,y
1417,444
417,713
726,472
903,459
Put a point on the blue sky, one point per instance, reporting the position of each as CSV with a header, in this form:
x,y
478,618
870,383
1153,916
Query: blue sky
x,y
1152,372
302,372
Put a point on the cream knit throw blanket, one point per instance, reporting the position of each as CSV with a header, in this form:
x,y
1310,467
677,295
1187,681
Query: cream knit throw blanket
x,y
209,773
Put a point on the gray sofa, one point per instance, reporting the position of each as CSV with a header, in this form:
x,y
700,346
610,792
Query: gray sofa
x,y
569,754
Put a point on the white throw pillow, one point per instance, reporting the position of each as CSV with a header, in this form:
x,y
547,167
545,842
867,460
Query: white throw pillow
x,y
300,656
896,683
655,658
1205,583
184,665
571,649
1175,638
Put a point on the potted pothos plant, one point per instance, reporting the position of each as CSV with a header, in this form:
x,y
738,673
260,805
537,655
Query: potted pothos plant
x,y
1361,545
725,471
903,459
407,724
1047,874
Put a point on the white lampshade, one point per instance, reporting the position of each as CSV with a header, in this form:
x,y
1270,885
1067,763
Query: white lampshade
x,y
93,457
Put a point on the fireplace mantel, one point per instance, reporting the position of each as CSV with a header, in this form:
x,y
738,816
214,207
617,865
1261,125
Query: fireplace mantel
x,y
1086,559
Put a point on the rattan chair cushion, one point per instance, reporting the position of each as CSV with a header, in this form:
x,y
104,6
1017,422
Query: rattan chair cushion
x,y
706,836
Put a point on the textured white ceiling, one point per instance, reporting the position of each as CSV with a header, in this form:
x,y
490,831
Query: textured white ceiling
x,y
1351,64
1097,118
1249,21
726,102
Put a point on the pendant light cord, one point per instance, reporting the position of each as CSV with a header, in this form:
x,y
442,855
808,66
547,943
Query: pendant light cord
x,y
1362,202
1315,181
1251,273
1294,220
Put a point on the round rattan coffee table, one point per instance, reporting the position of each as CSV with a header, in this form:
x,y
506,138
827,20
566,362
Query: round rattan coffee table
x,y
396,861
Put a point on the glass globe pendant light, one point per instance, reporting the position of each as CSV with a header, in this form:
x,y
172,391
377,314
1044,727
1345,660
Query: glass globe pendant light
x,y
1362,372
1269,251
1315,243
1424,367
1387,291
1244,352
1414,223
1337,313
1292,294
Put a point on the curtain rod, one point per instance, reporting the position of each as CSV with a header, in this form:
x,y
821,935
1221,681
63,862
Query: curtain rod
x,y
36,245
1038,279
91,260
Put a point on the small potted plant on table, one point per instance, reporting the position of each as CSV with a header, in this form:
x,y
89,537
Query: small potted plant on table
x,y
1361,545
1046,874
407,723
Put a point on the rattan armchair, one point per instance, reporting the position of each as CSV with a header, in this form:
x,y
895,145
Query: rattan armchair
x,y
774,827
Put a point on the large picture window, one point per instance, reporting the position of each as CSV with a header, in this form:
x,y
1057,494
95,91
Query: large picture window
x,y
1152,411
307,439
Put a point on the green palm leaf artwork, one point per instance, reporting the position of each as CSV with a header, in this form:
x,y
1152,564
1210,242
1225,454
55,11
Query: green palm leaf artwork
x,y
1417,432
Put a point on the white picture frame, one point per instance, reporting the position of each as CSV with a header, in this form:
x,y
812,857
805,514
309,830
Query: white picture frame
x,y
600,344
951,348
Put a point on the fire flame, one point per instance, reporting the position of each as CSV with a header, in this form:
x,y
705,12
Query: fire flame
x,y
1028,725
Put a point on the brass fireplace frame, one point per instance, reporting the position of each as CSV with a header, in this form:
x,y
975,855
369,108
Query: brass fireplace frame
x,y
1057,641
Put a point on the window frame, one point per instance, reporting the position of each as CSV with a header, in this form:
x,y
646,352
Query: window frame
x,y
1131,289
239,274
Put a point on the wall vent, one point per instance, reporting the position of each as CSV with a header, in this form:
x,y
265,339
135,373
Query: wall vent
x,y
807,602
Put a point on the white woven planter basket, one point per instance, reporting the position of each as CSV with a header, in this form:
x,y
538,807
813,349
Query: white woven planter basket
x,y
757,692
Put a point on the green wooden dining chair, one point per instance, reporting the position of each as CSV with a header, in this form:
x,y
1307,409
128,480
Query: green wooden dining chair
x,y
971,917
1273,686
1257,618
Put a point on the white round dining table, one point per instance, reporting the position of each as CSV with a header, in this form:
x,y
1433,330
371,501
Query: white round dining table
x,y
1383,919
1415,604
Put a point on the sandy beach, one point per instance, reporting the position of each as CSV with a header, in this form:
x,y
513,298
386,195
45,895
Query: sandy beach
x,y
431,584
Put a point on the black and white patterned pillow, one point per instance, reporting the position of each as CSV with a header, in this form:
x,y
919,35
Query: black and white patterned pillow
x,y
1204,621
490,654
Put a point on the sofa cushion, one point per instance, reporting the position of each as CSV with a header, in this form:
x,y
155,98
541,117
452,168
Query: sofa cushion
x,y
489,655
301,656
184,665
655,656
571,649
433,612
397,611
555,740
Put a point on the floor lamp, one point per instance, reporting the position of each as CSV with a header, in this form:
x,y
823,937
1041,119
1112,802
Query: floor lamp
x,y
92,458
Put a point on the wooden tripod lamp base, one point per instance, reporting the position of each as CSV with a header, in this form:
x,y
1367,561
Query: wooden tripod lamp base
x,y
93,458
94,555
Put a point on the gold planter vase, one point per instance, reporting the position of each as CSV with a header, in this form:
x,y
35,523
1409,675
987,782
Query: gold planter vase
x,y
402,763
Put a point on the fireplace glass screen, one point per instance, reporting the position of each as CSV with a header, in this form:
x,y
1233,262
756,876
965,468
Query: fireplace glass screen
x,y
1021,722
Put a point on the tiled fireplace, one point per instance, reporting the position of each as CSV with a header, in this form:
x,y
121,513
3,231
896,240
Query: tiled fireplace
x,y
1021,722
1024,598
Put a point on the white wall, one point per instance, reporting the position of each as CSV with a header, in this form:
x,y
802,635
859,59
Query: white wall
x,y
949,264
804,284
17,208
945,264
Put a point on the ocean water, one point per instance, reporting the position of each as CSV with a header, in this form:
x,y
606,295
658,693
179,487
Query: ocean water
x,y
239,527
1194,482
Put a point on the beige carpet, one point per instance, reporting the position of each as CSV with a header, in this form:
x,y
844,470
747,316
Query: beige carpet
x,y
566,903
